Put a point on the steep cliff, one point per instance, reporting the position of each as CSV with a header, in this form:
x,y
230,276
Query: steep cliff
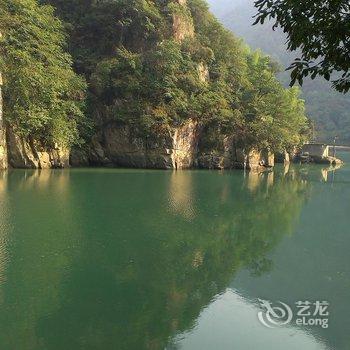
x,y
18,152
182,22
117,145
42,95
231,156
168,87
28,154
175,146
171,147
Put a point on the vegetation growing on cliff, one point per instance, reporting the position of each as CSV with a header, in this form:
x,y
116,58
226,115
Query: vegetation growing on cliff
x,y
275,117
266,114
151,64
43,96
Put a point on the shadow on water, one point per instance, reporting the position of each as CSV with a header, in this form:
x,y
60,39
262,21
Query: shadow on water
x,y
119,259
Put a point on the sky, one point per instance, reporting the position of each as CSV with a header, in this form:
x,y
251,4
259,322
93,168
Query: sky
x,y
221,6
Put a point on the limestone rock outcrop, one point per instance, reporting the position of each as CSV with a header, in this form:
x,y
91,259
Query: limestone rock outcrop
x,y
233,157
117,145
178,148
27,154
3,149
182,25
283,157
120,145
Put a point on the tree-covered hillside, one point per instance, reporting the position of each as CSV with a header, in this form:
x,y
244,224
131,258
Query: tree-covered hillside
x,y
151,65
140,74
327,108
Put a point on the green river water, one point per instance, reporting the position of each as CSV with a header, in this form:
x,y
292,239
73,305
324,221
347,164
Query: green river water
x,y
133,259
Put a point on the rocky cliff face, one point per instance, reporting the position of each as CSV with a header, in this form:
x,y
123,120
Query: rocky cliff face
x,y
182,25
177,148
17,152
28,154
117,145
232,157
3,150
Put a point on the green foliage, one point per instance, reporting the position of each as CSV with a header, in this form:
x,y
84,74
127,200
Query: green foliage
x,y
140,75
327,108
43,97
98,29
319,30
275,117
150,91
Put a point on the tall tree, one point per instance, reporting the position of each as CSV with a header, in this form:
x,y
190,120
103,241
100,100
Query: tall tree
x,y
42,94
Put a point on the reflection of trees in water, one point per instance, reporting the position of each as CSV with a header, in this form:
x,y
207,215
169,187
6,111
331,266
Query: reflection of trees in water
x,y
156,249
4,229
39,248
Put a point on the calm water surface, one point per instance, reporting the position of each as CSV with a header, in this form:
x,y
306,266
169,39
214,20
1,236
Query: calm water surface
x,y
130,259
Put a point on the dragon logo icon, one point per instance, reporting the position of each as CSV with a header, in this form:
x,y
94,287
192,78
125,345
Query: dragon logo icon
x,y
274,316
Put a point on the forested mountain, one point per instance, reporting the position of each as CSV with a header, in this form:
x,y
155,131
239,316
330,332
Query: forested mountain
x,y
166,85
329,109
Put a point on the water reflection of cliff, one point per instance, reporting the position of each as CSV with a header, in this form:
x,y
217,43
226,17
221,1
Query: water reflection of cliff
x,y
40,235
318,173
4,229
313,264
151,250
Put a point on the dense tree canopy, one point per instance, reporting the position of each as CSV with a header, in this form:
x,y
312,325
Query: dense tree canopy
x,y
141,75
320,29
42,94
327,108
275,116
